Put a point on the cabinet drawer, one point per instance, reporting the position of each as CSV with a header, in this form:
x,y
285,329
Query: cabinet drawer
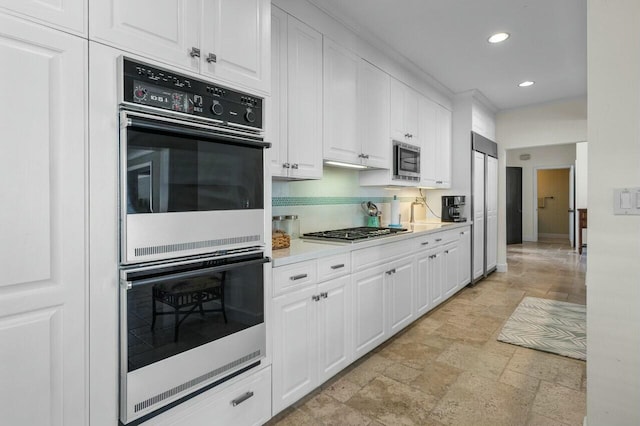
x,y
246,402
373,256
293,277
334,266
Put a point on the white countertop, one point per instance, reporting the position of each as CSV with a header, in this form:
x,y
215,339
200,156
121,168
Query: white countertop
x,y
301,250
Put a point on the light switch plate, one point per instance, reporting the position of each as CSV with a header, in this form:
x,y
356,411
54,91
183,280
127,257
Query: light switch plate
x,y
626,201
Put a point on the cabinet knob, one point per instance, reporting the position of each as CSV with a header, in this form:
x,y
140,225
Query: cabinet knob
x,y
324,294
315,298
294,166
212,58
195,52
365,156
286,165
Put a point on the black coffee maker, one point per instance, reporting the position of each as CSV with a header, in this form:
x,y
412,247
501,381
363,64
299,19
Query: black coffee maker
x,y
452,208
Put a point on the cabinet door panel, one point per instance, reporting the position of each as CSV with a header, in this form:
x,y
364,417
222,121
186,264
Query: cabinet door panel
x,y
304,100
238,33
373,115
276,111
464,257
43,283
443,147
428,138
69,15
451,269
436,277
423,276
340,139
369,310
492,212
400,294
334,327
167,35
397,127
294,347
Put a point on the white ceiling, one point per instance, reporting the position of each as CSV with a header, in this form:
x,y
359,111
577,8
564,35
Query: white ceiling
x,y
448,40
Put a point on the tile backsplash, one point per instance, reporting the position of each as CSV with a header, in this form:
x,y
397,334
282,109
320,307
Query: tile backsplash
x,y
334,201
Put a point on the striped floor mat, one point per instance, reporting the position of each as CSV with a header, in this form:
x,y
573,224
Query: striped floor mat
x,y
548,325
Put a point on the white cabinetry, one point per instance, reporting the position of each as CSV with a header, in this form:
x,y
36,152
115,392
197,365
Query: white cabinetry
x,y
243,402
226,39
43,159
478,215
340,138
404,113
451,269
435,135
369,309
311,329
464,268
356,109
295,124
400,281
69,15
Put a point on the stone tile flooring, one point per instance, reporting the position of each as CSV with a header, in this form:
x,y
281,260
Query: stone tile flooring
x,y
447,368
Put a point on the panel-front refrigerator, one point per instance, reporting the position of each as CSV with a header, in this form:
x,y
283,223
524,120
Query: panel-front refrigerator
x,y
484,205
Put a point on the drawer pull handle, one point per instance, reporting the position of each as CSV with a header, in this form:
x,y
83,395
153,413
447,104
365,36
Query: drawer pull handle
x,y
338,266
438,240
438,181
425,243
298,277
463,232
239,400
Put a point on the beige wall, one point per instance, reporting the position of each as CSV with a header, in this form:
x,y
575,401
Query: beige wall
x,y
613,279
553,202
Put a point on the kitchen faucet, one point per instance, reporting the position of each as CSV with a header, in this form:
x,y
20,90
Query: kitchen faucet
x,y
414,203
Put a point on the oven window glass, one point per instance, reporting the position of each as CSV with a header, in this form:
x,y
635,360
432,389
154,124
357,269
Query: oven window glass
x,y
171,173
167,315
408,160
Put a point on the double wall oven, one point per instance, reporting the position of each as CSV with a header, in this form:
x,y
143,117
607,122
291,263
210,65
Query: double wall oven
x,y
192,240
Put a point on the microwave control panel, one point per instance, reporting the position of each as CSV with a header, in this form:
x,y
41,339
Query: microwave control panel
x,y
156,87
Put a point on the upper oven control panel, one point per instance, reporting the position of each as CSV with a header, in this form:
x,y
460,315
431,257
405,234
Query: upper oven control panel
x,y
156,87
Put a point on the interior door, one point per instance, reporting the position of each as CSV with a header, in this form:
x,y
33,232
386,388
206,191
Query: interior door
x,y
514,205
572,205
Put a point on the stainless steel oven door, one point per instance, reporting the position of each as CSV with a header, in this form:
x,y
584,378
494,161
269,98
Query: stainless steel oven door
x,y
187,325
188,188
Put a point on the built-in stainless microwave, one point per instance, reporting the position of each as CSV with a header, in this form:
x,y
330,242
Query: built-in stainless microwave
x,y
406,161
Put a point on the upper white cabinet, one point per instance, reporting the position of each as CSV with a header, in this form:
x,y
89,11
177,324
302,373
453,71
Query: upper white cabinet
x,y
356,109
226,39
404,113
43,285
435,134
340,139
294,125
68,15
373,115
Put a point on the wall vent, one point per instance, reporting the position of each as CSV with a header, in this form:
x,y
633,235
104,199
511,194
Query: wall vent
x,y
194,245
193,382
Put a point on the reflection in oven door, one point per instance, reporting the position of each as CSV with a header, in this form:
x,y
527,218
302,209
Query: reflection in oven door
x,y
188,325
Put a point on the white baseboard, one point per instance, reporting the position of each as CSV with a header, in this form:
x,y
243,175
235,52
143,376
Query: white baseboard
x,y
502,267
584,423
529,239
559,236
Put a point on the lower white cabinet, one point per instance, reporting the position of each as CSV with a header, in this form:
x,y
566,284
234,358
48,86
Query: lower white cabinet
x,y
464,258
369,309
311,339
244,402
400,283
451,253
382,302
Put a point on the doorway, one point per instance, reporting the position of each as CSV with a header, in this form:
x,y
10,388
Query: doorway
x,y
514,205
554,203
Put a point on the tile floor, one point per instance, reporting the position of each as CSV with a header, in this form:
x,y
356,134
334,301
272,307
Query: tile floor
x,y
447,368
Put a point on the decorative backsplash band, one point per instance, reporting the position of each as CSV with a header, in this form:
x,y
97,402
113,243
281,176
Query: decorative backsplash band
x,y
324,201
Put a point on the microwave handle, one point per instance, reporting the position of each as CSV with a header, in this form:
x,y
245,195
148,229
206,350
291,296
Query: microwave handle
x,y
128,282
155,125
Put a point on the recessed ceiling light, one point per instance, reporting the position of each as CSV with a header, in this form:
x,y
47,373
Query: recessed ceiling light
x,y
526,83
498,37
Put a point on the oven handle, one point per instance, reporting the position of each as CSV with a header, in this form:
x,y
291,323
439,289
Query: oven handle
x,y
128,284
147,124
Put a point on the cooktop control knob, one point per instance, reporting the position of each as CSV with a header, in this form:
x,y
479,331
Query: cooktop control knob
x,y
250,116
217,108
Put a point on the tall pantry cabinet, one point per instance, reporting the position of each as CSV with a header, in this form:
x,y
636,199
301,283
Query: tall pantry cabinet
x,y
43,164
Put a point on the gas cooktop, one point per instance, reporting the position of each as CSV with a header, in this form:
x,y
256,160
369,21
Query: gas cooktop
x,y
350,235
